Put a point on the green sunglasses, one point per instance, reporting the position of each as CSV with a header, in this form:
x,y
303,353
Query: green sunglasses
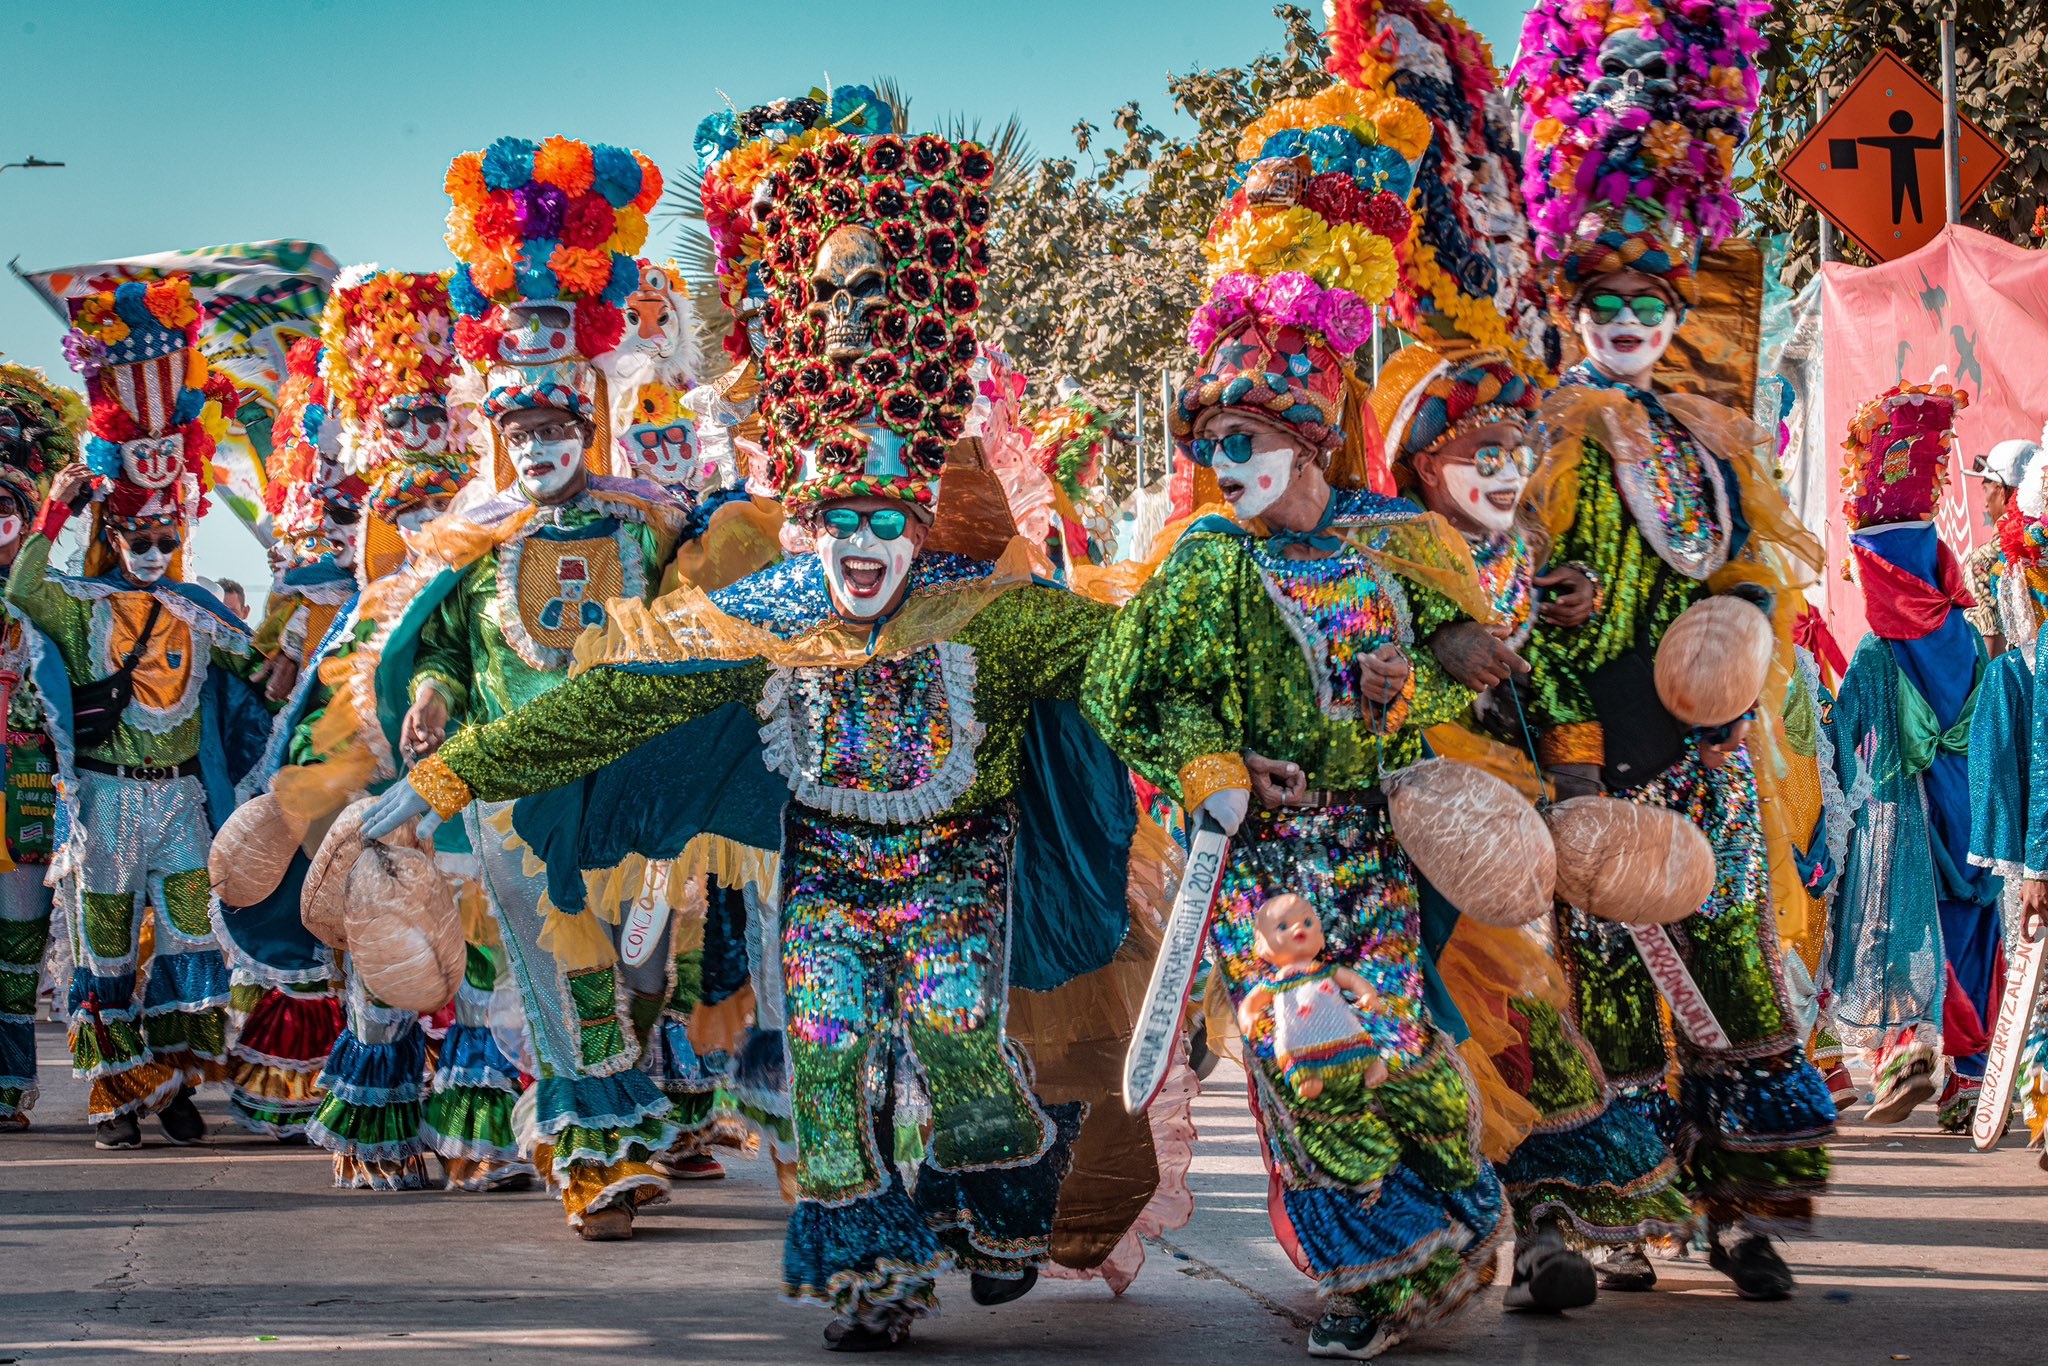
x,y
1647,309
1236,448
886,523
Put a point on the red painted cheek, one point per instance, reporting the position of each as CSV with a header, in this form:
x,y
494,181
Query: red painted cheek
x,y
1473,496
558,338
434,431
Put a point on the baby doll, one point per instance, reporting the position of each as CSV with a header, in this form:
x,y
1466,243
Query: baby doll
x,y
1319,1036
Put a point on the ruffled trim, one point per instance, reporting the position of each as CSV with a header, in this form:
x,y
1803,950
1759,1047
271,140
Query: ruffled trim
x,y
869,1261
472,1123
186,982
586,1186
600,1121
373,1075
1611,1180
786,748
1784,1108
143,1087
470,1059
353,1171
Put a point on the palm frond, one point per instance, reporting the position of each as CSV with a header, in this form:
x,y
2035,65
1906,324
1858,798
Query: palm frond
x,y
890,93
1009,145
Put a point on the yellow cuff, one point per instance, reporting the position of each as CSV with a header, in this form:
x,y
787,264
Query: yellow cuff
x,y
1202,778
441,786
1577,742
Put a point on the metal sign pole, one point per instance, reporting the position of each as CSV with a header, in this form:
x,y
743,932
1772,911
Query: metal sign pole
x,y
1951,134
1827,225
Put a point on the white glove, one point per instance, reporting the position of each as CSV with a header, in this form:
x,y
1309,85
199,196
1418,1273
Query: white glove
x,y
399,804
1226,808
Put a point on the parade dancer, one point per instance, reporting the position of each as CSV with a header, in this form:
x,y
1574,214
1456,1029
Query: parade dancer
x,y
34,444
487,615
894,714
1268,654
149,714
390,364
287,994
1652,501
2008,793
1590,1170
1917,939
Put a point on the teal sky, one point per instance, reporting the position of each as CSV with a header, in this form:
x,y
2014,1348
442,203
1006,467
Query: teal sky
x,y
185,124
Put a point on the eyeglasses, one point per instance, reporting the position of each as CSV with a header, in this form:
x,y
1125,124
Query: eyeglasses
x,y
1236,448
1647,309
526,438
343,516
1489,461
845,523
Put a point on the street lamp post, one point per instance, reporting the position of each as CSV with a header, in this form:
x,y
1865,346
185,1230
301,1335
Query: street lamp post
x,y
33,163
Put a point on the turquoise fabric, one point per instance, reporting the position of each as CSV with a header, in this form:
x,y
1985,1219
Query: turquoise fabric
x,y
1999,782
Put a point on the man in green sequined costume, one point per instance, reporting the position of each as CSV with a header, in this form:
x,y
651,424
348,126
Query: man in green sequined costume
x,y
874,710
1651,501
1590,1170
1271,654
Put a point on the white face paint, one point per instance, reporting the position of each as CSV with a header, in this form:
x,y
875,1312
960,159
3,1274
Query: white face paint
x,y
547,455
1625,349
1258,483
1487,501
342,537
863,571
146,565
10,529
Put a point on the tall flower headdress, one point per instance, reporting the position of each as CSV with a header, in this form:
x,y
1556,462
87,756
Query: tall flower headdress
x,y
873,254
1467,274
152,394
40,444
1633,111
1299,255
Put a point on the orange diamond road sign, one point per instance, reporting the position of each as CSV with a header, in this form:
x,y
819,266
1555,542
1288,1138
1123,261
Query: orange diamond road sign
x,y
1874,164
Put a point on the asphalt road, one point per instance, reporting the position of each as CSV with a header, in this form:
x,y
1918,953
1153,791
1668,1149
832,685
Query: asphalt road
x,y
241,1251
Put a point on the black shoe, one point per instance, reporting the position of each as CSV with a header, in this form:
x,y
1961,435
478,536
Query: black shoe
x,y
843,1335
182,1122
1349,1337
1756,1268
292,1140
989,1291
1625,1270
121,1131
1550,1277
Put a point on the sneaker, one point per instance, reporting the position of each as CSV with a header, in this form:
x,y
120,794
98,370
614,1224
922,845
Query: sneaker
x,y
1904,1083
989,1291
844,1335
1958,1103
16,1123
1754,1265
612,1224
183,1124
1549,1277
122,1131
1349,1338
1624,1269
695,1167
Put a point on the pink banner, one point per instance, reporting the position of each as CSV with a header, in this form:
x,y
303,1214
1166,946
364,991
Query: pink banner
x,y
1966,309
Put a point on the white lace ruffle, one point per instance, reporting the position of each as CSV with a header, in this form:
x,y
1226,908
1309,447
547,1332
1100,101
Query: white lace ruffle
x,y
139,714
787,749
632,573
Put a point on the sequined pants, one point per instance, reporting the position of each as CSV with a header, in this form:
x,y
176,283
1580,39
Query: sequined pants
x,y
1749,1125
599,1117
146,844
24,940
902,931
1389,1199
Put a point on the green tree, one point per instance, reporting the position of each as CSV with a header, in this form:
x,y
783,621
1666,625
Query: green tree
x,y
1097,256
1822,45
